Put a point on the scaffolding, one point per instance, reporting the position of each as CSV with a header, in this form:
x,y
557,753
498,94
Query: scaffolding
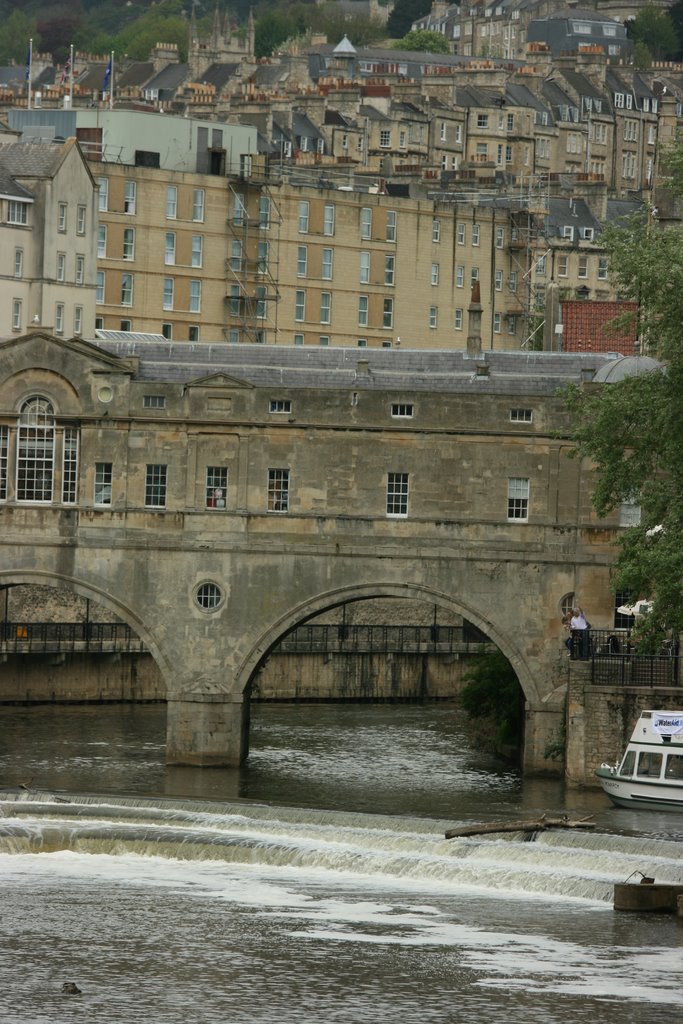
x,y
528,248
251,289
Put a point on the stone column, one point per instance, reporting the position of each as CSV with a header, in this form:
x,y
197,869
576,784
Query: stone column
x,y
207,729
543,733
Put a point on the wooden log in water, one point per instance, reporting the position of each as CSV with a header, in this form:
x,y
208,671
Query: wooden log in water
x,y
526,825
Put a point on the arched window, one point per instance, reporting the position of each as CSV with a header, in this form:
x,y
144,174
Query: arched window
x,y
36,450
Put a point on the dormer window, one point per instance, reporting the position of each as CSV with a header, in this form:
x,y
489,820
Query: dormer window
x,y
568,232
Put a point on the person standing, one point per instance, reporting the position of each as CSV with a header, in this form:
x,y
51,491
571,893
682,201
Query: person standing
x,y
579,627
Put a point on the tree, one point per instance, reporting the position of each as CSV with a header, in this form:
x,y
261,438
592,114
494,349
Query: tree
x,y
14,37
423,41
655,29
633,430
492,693
403,15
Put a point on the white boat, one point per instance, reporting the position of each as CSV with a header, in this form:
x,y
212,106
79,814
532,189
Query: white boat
x,y
650,774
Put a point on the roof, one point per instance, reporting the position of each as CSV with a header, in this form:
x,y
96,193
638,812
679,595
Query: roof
x,y
31,159
533,373
587,327
626,366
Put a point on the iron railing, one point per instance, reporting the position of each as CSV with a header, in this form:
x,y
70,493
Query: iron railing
x,y
57,637
616,660
310,639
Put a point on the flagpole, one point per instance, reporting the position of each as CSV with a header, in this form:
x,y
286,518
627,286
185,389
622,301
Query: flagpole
x,y
29,64
71,76
111,81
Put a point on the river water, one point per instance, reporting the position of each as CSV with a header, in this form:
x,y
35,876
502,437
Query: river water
x,y
315,884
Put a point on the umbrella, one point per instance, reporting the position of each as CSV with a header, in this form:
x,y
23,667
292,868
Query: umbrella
x,y
639,608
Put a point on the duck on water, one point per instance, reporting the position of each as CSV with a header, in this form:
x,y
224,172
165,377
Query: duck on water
x,y
650,772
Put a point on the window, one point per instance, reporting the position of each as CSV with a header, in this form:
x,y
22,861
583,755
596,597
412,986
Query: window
x,y
129,193
364,267
198,204
153,402
197,250
630,513
171,202
518,498
562,266
433,316
460,277
389,265
78,319
482,151
196,297
262,256
301,260
208,596
328,219
512,324
35,450
278,490
102,241
61,217
498,280
602,268
362,311
280,405
475,234
16,314
385,138
482,120
474,275
103,194
235,299
324,340
500,238
361,343
388,313
18,262
326,269
236,255
264,212
59,318
99,286
460,234
402,410
303,216
126,289
512,281
436,231
70,465
216,493
298,339
325,307
583,266
155,486
397,494
540,266
458,320
129,243
17,213
4,461
167,301
521,415
193,332
61,266
496,323
366,222
126,325
169,249
392,225
300,305
435,273
80,220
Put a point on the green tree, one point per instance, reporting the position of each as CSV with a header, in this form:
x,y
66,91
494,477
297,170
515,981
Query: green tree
x,y
423,41
403,15
14,37
162,23
633,430
272,29
655,29
492,694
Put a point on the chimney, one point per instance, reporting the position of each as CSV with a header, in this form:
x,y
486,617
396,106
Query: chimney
x,y
474,322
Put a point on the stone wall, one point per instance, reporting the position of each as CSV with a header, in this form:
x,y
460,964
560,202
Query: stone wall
x,y
79,677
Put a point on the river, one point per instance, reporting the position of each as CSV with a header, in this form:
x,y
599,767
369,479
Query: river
x,y
315,884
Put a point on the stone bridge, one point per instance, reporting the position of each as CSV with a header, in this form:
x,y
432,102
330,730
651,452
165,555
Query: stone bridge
x,y
216,496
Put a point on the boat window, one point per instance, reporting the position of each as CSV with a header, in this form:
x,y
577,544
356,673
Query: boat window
x,y
650,764
628,764
674,767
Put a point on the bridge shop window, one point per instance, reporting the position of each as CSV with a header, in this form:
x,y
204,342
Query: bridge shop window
x,y
518,498
155,486
208,596
278,490
281,405
46,454
521,415
397,494
4,461
216,487
103,483
402,410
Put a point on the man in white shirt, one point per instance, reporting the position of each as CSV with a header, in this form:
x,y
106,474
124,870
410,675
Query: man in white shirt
x,y
579,630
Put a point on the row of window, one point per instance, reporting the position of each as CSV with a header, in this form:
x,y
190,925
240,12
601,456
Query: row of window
x,y
130,200
60,321
328,227
195,253
168,292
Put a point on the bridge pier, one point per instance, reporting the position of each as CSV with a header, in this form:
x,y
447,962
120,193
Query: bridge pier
x,y
543,740
207,730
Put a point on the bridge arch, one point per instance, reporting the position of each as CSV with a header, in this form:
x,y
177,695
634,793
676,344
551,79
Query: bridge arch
x,y
90,591
331,599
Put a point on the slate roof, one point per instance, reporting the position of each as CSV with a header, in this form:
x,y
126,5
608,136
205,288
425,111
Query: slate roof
x,y
533,373
138,73
169,79
572,213
219,75
31,159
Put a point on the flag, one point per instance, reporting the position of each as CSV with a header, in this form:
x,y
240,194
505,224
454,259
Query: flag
x,y
107,76
28,63
66,70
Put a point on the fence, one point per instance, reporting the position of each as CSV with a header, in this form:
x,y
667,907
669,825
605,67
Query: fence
x,y
310,639
616,661
52,637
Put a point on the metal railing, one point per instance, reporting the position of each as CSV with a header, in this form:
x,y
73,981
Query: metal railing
x,y
57,637
311,639
616,660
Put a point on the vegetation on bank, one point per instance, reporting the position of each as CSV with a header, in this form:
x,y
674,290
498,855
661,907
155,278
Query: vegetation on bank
x,y
492,697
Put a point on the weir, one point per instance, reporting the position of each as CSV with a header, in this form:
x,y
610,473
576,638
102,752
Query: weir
x,y
215,497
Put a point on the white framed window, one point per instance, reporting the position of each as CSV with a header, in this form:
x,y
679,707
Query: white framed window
x,y
433,317
498,280
460,233
80,269
126,289
301,260
18,262
388,313
324,340
326,267
460,277
59,318
102,241
61,266
197,257
482,120
35,450
171,202
500,238
475,234
80,219
103,194
364,267
99,287
436,230
583,267
129,196
61,217
366,222
397,495
298,339
278,490
17,213
385,138
193,332
518,498
78,319
216,489
362,311
198,204
264,212
169,288
512,281
156,480
521,415
328,219
153,401
70,465
325,307
402,410
392,225
300,305
280,405
129,243
458,320
16,314
474,275
443,132
435,274
304,210
562,266
389,270
496,323
239,210
104,474
169,249
262,256
167,331
602,268
235,255
196,296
